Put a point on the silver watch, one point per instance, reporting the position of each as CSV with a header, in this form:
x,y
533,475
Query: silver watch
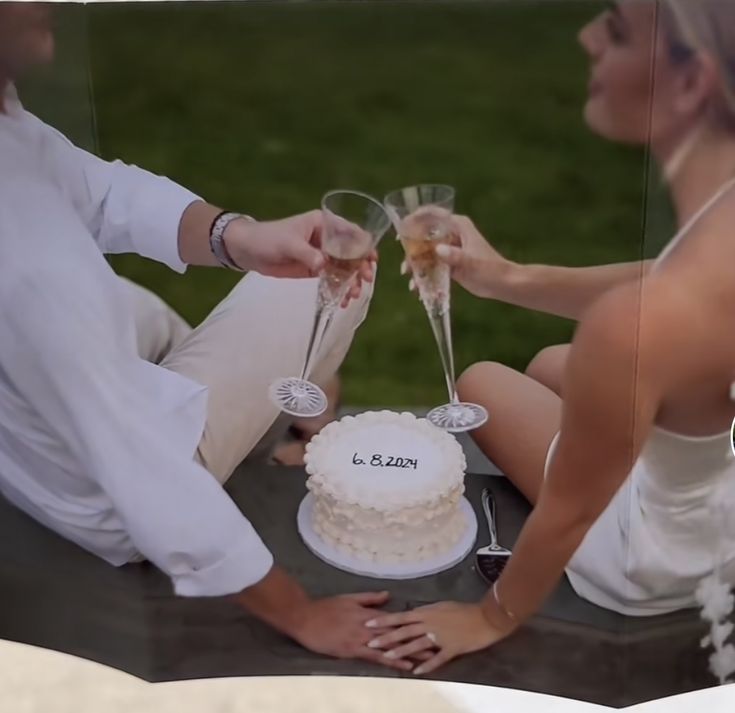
x,y
217,242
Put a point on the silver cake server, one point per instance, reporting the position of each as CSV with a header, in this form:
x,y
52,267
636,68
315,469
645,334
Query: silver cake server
x,y
490,560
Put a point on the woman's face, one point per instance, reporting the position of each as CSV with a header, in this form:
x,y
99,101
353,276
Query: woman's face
x,y
629,58
26,36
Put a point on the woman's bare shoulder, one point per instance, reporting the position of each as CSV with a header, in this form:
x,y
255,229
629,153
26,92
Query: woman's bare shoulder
x,y
656,314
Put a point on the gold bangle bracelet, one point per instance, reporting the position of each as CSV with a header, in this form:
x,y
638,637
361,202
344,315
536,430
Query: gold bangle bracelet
x,y
509,614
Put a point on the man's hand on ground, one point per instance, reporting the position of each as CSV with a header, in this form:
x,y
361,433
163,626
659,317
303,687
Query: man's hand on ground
x,y
335,626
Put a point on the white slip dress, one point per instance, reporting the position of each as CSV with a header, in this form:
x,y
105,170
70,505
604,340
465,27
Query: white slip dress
x,y
657,539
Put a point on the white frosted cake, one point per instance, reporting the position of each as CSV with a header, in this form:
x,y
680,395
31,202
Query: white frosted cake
x,y
387,487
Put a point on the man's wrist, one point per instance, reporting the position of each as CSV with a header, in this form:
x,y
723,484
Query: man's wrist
x,y
278,600
194,230
237,237
220,239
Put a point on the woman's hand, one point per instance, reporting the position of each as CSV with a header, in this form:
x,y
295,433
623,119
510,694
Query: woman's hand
x,y
476,265
444,630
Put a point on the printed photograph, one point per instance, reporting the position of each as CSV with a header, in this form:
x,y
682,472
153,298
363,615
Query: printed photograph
x,y
371,338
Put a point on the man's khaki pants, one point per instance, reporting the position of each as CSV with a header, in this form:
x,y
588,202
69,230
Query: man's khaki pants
x,y
258,333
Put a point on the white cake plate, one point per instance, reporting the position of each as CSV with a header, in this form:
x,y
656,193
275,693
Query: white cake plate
x,y
331,555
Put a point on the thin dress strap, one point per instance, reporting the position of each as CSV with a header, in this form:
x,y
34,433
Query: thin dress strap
x,y
721,191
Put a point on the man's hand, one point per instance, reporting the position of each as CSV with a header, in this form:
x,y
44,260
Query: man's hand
x,y
336,627
278,248
288,248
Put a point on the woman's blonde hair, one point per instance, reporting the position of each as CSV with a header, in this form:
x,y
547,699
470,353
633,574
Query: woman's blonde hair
x,y
708,26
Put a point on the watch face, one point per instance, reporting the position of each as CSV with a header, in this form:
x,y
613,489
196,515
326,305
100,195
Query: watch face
x,y
217,242
222,254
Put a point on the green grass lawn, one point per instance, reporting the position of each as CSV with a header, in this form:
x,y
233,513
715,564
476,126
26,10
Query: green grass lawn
x,y
263,106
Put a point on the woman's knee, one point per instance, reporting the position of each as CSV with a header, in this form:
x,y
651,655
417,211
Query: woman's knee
x,y
473,377
548,365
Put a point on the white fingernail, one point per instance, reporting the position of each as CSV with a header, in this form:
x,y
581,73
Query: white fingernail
x,y
404,268
390,655
418,671
374,644
411,285
372,624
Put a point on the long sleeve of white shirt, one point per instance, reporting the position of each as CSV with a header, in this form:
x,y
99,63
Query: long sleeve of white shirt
x,y
125,208
128,209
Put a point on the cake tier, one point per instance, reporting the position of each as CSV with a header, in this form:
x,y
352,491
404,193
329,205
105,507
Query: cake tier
x,y
410,535
387,487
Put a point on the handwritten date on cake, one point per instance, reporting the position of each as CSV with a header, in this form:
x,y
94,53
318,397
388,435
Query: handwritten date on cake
x,y
382,461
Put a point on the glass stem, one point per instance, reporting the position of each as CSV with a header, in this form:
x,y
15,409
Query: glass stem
x,y
330,307
327,323
322,320
439,316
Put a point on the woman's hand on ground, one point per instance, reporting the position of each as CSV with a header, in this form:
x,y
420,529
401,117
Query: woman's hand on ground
x,y
445,630
335,626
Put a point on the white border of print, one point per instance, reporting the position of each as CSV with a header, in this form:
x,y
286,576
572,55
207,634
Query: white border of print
x,y
37,679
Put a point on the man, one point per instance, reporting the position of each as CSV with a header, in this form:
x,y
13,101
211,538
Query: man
x,y
120,455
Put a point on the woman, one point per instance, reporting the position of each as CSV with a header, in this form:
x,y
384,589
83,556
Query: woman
x,y
621,470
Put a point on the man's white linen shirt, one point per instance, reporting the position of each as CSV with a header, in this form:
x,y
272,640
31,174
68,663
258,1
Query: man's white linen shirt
x,y
95,442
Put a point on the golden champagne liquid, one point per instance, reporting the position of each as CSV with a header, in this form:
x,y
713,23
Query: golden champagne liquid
x,y
431,275
420,234
338,271
341,263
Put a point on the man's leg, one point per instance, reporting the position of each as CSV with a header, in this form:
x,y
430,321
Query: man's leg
x,y
291,450
256,335
159,329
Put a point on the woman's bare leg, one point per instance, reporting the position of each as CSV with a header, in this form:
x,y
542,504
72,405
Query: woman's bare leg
x,y
524,418
547,367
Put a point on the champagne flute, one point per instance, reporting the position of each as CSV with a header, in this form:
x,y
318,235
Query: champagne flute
x,y
353,224
422,217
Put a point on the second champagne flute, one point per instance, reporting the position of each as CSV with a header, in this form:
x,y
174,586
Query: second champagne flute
x,y
422,219
353,224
